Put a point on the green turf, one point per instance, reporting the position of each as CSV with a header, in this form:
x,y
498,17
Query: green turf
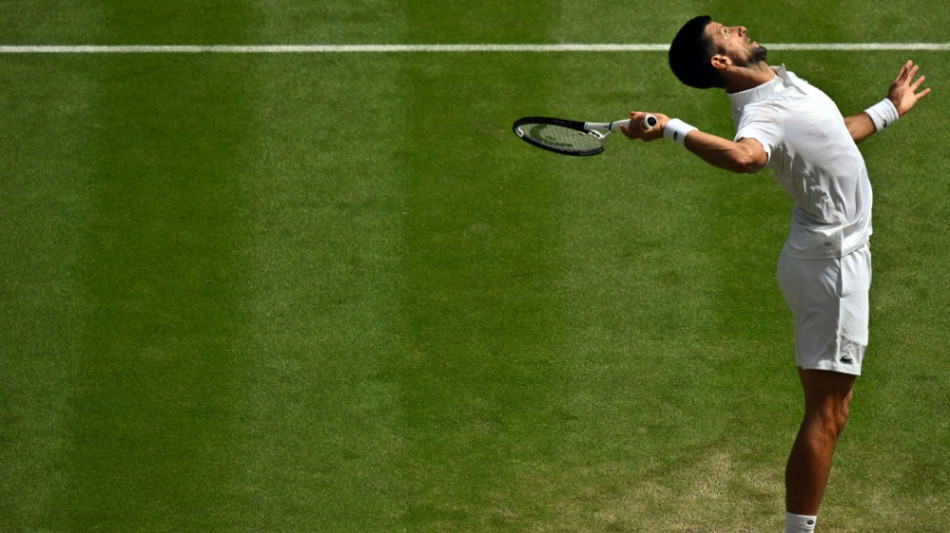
x,y
335,293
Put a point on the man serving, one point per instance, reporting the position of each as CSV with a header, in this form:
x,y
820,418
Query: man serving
x,y
789,126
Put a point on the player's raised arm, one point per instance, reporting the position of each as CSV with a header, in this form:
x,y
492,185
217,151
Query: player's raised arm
x,y
902,96
742,156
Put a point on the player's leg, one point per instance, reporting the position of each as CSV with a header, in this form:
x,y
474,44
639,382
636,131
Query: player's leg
x,y
827,402
829,299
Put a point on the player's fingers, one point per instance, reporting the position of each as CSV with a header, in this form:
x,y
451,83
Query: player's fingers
x,y
902,75
636,117
912,72
628,132
917,83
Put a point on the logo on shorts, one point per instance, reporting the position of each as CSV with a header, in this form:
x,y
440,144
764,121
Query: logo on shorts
x,y
848,353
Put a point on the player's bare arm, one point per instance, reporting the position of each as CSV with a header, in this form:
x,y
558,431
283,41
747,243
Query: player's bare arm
x,y
742,156
904,94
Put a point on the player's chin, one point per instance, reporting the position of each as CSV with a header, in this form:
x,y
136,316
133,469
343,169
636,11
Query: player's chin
x,y
760,54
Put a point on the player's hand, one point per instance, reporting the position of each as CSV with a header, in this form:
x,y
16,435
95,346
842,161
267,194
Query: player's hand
x,y
904,91
638,131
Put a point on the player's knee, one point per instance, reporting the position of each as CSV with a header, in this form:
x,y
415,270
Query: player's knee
x,y
843,411
841,418
835,418
830,421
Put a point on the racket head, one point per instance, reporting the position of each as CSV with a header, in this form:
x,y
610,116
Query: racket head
x,y
562,136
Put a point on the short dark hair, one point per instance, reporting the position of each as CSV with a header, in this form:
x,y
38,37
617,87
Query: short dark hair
x,y
690,55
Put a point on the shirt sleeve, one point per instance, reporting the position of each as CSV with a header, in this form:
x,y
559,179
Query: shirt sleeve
x,y
763,124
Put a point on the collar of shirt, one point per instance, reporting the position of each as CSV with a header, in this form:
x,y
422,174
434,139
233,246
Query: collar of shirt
x,y
783,80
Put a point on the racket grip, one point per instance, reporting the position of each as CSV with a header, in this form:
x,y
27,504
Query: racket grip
x,y
615,126
648,122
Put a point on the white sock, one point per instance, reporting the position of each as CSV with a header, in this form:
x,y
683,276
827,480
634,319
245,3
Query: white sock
x,y
796,523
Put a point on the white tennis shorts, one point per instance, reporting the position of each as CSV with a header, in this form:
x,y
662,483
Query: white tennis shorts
x,y
829,298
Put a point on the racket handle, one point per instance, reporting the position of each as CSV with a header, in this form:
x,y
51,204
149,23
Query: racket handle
x,y
648,122
615,126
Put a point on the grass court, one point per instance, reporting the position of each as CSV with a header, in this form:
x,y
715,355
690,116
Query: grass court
x,y
334,292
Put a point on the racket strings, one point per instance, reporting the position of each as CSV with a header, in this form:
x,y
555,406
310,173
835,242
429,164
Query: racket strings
x,y
561,138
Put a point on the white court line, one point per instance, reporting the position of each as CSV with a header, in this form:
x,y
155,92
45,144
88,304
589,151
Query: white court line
x,y
412,48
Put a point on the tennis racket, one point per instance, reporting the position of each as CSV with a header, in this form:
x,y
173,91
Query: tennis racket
x,y
570,137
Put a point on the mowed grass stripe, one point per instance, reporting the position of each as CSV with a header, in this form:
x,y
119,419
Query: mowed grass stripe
x,y
482,371
316,444
45,172
156,395
322,270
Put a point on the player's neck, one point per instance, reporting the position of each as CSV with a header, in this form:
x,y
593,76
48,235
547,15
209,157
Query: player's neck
x,y
749,77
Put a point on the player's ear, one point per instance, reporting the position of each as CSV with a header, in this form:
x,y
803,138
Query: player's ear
x,y
720,62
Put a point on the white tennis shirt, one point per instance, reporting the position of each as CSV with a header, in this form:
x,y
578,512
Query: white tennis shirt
x,y
814,160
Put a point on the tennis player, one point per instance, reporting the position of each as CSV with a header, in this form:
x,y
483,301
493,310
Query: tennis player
x,y
789,126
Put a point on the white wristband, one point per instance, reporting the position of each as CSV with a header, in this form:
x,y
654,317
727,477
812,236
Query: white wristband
x,y
883,114
676,130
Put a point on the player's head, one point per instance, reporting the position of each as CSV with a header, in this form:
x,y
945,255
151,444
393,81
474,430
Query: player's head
x,y
691,55
704,52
